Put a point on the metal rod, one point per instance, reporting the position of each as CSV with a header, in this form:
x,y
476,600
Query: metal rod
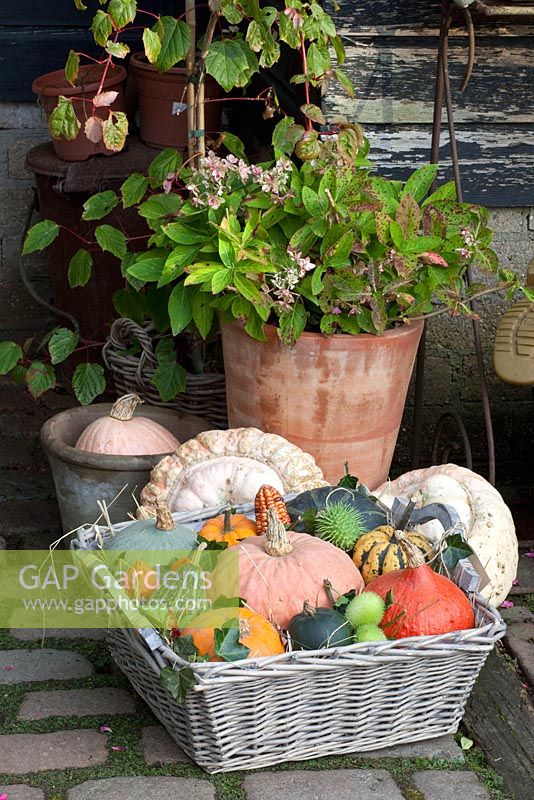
x,y
415,455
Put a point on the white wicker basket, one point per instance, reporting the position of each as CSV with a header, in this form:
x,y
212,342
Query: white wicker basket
x,y
258,712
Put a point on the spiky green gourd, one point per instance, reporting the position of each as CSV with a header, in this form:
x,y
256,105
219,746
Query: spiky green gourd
x,y
369,633
365,609
340,524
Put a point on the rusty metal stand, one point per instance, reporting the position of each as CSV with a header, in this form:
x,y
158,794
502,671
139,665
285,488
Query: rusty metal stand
x,y
443,95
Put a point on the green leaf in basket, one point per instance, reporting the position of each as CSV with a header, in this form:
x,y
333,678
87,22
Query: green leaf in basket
x,y
455,549
184,647
177,681
211,544
227,644
229,602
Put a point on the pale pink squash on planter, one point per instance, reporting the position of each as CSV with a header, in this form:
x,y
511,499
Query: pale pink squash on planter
x,y
122,434
281,570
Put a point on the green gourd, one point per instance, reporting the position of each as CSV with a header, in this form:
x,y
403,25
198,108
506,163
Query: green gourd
x,y
317,628
159,533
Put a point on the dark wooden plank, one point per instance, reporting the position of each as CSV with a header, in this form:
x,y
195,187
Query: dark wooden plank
x,y
495,160
394,80
63,13
500,718
404,17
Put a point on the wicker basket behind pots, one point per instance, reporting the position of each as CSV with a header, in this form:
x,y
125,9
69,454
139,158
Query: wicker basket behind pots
x,y
204,396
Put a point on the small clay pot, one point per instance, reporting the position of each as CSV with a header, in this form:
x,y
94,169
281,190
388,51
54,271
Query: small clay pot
x,y
163,104
337,397
50,86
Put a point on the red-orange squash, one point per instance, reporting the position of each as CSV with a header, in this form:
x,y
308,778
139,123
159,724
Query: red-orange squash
x,y
280,570
424,603
227,527
255,632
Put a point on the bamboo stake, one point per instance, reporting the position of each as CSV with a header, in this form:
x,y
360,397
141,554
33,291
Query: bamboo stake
x,y
200,109
190,18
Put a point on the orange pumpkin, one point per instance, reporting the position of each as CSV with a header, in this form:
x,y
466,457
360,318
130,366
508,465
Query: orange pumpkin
x,y
227,527
255,632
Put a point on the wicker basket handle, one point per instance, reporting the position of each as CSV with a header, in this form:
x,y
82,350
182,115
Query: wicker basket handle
x,y
120,338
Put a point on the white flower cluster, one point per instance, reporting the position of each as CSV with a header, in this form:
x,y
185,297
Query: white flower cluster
x,y
287,279
210,183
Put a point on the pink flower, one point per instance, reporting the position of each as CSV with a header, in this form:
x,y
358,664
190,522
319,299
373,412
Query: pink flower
x,y
296,18
214,201
118,747
515,582
104,729
8,668
506,604
530,555
336,310
4,797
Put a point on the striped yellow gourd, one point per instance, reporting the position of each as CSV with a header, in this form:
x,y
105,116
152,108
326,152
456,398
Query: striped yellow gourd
x,y
385,550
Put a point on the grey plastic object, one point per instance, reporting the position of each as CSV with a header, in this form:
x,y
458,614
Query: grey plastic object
x,y
446,515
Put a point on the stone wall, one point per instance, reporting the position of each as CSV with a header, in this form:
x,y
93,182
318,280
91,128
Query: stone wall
x,y
451,382
22,126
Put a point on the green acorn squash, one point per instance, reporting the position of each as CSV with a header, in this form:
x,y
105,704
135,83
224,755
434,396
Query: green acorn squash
x,y
304,507
160,533
318,628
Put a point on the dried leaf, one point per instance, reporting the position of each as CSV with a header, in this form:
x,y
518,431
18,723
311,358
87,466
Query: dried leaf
x,y
93,129
105,99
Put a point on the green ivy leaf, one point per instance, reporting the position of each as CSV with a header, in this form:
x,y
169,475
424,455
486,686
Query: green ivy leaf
x,y
420,182
152,45
40,236
314,113
345,81
181,233
10,354
169,379
111,240
180,308
227,644
99,205
129,304
39,378
147,268
88,382
117,49
177,682
339,48
203,312
466,743
292,323
234,145
63,122
80,267
72,66
174,37
62,343
115,131
318,60
122,11
286,135
166,162
133,189
160,205
101,28
447,191
231,62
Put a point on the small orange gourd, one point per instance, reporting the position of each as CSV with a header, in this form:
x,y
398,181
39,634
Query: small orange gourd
x,y
255,632
269,497
229,528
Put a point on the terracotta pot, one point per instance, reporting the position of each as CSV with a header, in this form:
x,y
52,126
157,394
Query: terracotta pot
x,y
50,86
340,397
163,105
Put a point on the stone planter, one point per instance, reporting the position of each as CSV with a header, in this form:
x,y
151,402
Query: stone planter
x,y
340,397
82,478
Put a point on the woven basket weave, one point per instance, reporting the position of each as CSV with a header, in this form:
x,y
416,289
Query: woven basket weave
x,y
204,396
258,712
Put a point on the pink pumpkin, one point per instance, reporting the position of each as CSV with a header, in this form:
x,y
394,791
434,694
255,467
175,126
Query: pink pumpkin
x,y
122,434
280,570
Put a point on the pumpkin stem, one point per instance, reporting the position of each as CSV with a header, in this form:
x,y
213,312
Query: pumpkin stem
x,y
124,407
164,520
227,522
277,542
328,591
308,609
413,554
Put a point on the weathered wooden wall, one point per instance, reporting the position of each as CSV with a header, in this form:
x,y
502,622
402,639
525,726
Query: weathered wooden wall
x,y
391,58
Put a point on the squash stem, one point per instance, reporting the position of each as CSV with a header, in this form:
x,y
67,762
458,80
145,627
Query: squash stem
x,y
164,520
125,406
328,591
227,523
277,541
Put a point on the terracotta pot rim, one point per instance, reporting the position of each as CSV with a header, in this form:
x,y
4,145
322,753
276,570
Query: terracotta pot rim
x,y
141,66
406,329
52,84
